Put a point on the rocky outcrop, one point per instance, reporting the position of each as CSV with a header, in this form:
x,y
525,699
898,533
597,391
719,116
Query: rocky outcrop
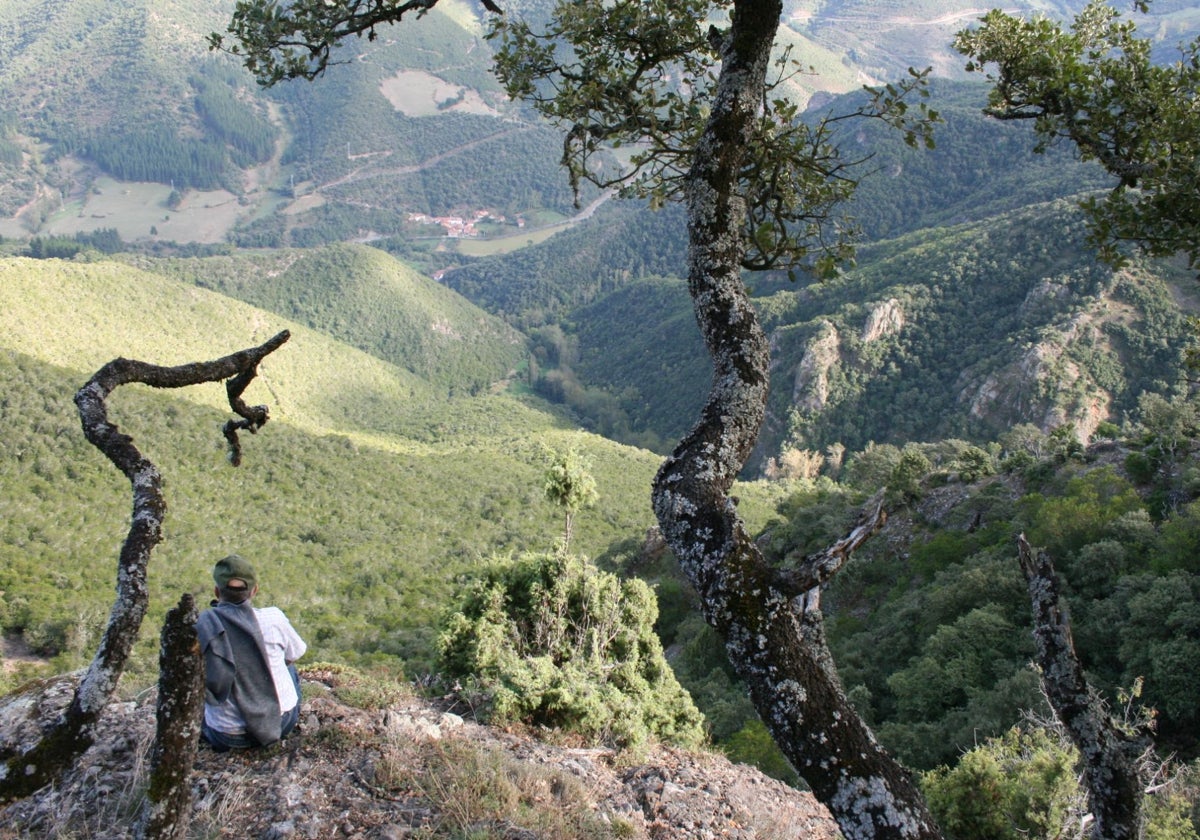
x,y
1044,385
372,774
810,390
886,318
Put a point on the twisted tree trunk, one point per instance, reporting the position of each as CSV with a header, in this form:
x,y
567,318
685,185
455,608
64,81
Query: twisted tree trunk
x,y
67,738
771,622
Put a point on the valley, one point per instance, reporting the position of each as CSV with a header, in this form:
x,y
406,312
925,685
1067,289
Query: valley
x,y
460,316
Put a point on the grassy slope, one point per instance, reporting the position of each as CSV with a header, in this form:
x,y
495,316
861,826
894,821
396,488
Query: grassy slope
x,y
365,298
364,498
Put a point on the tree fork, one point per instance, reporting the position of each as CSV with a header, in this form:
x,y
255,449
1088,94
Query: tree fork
x,y
65,739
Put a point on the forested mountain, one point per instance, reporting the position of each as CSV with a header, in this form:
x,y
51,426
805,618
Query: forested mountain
x,y
964,361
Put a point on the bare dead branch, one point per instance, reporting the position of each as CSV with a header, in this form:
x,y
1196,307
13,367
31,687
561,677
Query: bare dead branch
x,y
65,739
817,569
166,811
1110,755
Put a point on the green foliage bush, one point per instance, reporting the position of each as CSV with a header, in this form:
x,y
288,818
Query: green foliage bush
x,y
1025,785
553,640
1019,786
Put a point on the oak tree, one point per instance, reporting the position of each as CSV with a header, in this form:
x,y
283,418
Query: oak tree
x,y
1096,84
693,88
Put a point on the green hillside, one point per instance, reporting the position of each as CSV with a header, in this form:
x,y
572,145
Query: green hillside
x,y
952,331
80,315
965,331
365,496
104,102
364,298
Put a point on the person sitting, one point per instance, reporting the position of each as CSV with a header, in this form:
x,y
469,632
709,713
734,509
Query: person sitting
x,y
251,687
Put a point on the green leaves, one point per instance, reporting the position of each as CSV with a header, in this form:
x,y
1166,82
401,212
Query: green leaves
x,y
612,75
1096,86
553,640
295,40
642,75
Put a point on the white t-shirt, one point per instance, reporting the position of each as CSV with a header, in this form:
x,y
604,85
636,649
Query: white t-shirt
x,y
283,645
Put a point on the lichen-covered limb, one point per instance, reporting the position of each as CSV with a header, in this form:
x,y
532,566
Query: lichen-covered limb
x,y
68,737
776,645
1110,755
817,569
167,809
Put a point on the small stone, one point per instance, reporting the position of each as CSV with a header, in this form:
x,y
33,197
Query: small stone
x,y
279,830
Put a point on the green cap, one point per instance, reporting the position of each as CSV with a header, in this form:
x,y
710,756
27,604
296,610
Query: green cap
x,y
233,567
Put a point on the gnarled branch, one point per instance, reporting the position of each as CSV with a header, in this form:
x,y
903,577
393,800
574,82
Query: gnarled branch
x,y
818,569
68,737
1109,755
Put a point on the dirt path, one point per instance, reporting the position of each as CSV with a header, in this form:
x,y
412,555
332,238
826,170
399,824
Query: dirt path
x,y
369,172
14,652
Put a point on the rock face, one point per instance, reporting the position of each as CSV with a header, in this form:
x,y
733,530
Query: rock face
x,y
1043,385
810,390
382,774
884,319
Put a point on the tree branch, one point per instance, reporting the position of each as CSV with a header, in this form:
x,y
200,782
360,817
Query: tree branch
x,y
818,569
23,773
1109,755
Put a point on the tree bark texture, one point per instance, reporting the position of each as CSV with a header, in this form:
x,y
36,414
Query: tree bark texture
x,y
166,811
69,736
771,622
1110,756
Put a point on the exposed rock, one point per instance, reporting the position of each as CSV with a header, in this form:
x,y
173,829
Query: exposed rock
x,y
885,318
1046,297
355,773
811,388
1043,386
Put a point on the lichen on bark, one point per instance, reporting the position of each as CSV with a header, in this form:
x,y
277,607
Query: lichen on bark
x,y
1110,755
166,808
773,632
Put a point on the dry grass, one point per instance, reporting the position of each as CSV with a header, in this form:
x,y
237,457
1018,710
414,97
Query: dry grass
x,y
481,792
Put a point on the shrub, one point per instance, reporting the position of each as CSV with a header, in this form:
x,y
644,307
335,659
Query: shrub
x,y
1025,786
1020,785
554,641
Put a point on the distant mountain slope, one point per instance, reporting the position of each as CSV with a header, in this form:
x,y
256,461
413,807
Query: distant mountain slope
x,y
966,331
641,344
981,167
413,121
369,300
948,332
80,315
541,284
880,39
